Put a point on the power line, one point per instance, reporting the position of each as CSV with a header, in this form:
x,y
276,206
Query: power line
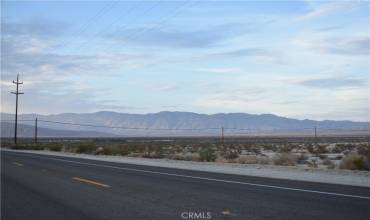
x,y
122,127
158,24
122,27
5,120
192,129
90,21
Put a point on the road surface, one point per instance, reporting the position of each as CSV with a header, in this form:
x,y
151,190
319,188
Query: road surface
x,y
37,187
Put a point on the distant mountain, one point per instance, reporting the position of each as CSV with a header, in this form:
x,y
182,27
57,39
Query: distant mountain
x,y
7,130
187,123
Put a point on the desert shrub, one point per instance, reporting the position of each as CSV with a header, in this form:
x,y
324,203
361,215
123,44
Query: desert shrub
x,y
312,163
18,147
255,149
134,154
321,149
207,154
158,152
284,159
220,159
124,150
327,162
27,147
285,149
354,162
192,157
230,154
154,152
55,147
263,160
86,148
364,150
302,158
317,149
108,150
271,147
339,148
310,148
247,159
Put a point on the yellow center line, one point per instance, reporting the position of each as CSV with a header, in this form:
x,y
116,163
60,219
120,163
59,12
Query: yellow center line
x,y
90,182
18,164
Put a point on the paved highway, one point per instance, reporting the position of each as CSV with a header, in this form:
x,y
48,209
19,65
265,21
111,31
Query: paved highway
x,y
37,187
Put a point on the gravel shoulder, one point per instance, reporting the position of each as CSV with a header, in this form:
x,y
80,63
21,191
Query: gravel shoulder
x,y
343,177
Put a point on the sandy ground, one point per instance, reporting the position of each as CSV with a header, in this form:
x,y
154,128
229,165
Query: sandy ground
x,y
344,177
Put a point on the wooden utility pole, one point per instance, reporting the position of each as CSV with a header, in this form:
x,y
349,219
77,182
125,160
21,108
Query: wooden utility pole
x,y
315,135
222,136
35,130
16,106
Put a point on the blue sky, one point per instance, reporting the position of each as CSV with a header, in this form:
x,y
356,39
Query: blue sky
x,y
300,59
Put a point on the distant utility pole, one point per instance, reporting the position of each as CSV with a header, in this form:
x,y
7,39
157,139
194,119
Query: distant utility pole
x,y
35,130
222,136
315,135
16,106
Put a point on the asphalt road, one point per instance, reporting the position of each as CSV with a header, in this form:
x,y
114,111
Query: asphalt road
x,y
47,187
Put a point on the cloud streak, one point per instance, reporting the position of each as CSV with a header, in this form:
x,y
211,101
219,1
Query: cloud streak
x,y
326,9
202,38
342,46
34,27
330,83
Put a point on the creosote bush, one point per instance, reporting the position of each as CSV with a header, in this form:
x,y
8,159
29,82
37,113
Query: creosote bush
x,y
354,161
86,148
230,154
284,159
247,159
27,146
207,154
55,147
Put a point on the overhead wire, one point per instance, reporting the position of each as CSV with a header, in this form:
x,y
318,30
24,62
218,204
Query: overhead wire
x,y
157,25
89,22
190,129
122,27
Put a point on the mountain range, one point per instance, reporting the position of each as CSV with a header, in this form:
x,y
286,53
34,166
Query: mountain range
x,y
7,130
107,123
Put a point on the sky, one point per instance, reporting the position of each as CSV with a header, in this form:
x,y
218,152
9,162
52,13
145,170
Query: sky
x,y
298,59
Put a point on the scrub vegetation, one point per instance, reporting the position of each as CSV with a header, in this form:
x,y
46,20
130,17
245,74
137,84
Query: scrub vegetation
x,y
352,154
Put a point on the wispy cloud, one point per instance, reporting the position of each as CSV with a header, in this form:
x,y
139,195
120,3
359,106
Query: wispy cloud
x,y
347,45
330,83
243,53
50,76
324,9
200,38
218,70
165,87
343,46
34,27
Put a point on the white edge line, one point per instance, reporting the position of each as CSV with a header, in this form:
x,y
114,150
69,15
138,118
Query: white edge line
x,y
200,178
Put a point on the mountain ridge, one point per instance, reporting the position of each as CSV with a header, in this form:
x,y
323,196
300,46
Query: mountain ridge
x,y
181,123
184,112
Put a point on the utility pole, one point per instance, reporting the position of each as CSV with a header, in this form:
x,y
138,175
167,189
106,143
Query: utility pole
x,y
315,135
35,130
16,107
222,136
